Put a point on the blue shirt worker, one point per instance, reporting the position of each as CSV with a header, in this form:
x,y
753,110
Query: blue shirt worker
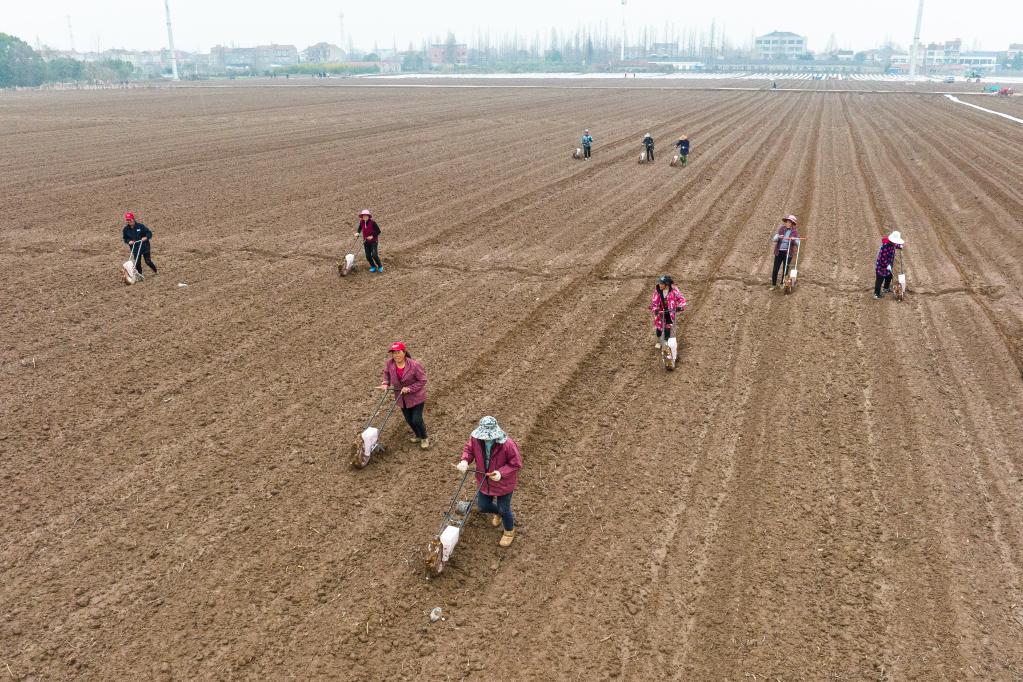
x,y
587,143
683,150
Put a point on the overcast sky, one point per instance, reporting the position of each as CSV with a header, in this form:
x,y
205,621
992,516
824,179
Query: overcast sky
x,y
200,24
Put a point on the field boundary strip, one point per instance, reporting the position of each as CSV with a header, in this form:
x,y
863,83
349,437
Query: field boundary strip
x,y
990,111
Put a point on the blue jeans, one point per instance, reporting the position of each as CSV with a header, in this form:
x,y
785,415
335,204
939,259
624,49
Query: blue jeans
x,y
485,503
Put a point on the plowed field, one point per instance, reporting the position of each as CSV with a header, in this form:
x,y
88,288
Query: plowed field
x,y
829,486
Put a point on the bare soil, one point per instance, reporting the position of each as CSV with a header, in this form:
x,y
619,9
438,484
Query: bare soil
x,y
828,487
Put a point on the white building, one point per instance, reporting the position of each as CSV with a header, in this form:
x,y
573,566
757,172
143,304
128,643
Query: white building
x,y
779,45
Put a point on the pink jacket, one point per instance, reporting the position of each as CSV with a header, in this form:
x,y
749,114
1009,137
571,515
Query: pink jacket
x,y
414,378
675,301
504,457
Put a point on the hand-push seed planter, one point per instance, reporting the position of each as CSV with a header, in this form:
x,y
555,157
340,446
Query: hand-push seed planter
x,y
368,441
439,551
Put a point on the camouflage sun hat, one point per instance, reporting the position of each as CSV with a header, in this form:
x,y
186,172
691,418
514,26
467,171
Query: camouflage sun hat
x,y
489,430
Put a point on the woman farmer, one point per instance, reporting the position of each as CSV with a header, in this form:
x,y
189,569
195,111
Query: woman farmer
x,y
783,239
370,233
883,264
665,304
683,150
496,459
133,232
408,379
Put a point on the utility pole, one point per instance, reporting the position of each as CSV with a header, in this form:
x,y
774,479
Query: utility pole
x,y
170,40
623,31
915,52
70,33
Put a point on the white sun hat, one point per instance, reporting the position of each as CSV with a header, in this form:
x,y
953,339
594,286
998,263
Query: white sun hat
x,y
896,238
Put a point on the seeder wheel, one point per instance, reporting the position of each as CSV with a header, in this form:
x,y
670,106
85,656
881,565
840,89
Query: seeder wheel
x,y
435,556
899,292
359,459
669,364
341,268
787,288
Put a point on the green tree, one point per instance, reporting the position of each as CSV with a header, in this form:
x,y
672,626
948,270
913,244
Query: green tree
x,y
450,49
63,69
19,63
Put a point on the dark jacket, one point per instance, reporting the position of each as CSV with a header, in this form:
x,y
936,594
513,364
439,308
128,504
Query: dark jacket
x,y
683,147
885,257
133,233
648,142
369,229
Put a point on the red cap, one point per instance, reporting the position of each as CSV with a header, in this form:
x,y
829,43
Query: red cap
x,y
129,216
397,345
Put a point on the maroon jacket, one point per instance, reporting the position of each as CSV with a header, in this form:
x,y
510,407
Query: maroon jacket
x,y
504,457
414,378
793,239
369,230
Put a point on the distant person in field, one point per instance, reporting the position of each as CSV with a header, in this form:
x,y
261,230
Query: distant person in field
x,y
648,144
883,264
370,233
137,232
408,378
683,150
497,461
784,239
666,304
587,143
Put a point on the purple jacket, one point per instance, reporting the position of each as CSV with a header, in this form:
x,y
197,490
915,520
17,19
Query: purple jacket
x,y
793,237
413,378
504,457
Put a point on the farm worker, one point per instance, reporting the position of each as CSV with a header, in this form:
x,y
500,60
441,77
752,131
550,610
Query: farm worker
x,y
587,143
883,265
683,149
648,142
783,239
408,378
370,233
137,232
666,303
496,459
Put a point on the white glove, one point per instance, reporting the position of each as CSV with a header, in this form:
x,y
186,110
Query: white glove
x,y
889,268
776,237
495,476
462,467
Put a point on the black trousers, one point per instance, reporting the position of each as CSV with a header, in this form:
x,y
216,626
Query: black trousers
x,y
650,153
779,260
879,280
586,151
371,254
142,253
414,418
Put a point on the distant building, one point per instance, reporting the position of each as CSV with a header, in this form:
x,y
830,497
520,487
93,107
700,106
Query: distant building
x,y
226,59
323,53
439,54
664,50
1014,50
779,45
947,57
844,55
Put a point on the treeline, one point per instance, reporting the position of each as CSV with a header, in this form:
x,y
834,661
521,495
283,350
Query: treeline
x,y
21,66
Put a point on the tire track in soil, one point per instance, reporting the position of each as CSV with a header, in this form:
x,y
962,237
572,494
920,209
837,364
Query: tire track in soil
x,y
920,559
942,228
657,598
